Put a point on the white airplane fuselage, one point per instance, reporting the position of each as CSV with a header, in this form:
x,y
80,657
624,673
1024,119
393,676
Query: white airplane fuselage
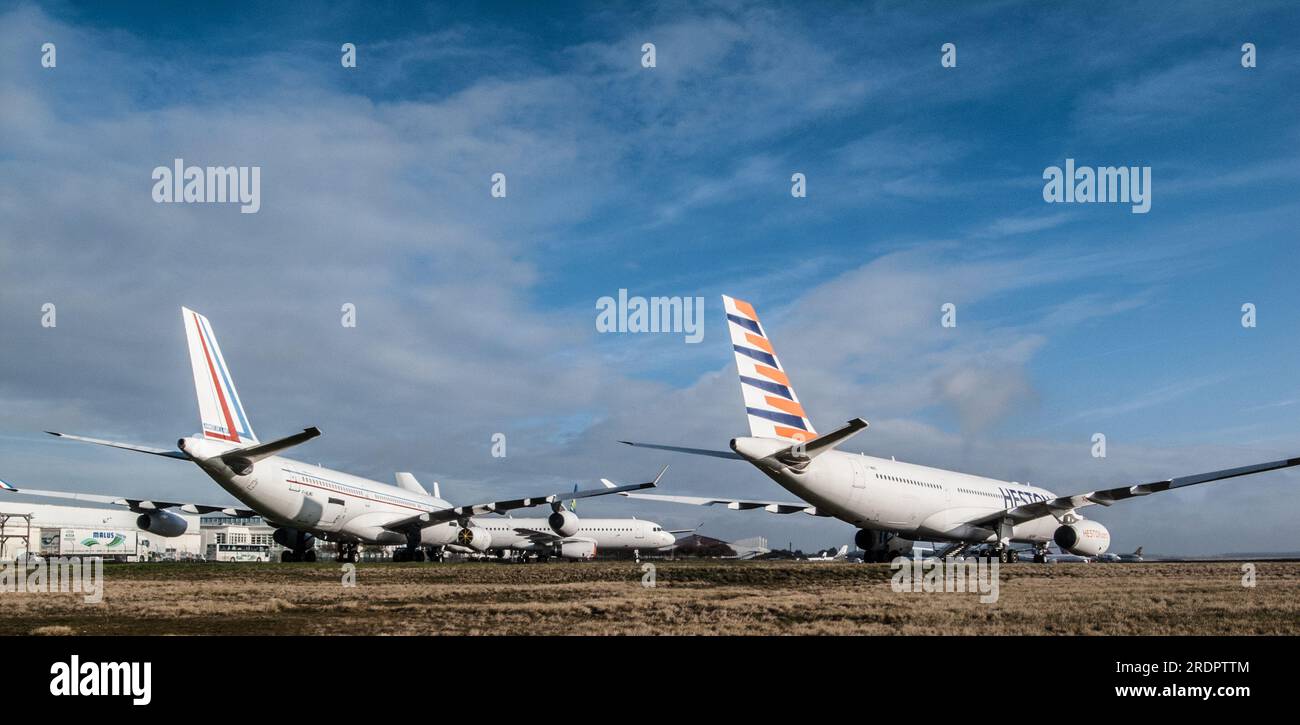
x,y
339,506
604,534
916,502
334,505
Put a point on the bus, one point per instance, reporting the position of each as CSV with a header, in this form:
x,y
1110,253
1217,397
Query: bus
x,y
239,552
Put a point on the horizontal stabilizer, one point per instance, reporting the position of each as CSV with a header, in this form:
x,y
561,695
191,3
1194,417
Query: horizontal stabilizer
x,y
681,449
805,452
124,446
241,458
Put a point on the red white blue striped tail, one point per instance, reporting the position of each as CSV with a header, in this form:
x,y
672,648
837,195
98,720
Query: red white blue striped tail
x,y
220,410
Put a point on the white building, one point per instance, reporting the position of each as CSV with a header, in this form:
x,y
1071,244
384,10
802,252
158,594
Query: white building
x,y
230,538
53,526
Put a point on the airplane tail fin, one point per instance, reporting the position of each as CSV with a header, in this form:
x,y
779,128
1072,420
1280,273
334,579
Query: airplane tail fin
x,y
220,410
770,402
1138,552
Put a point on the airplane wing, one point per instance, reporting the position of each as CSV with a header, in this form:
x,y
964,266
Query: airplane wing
x,y
537,535
139,505
439,516
1064,504
735,504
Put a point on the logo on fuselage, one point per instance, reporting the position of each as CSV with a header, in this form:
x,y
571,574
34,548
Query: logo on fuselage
x,y
1012,497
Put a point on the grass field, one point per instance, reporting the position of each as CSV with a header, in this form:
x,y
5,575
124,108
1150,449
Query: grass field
x,y
709,597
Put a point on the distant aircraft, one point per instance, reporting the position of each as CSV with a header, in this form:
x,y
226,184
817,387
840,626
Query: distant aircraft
x,y
1122,558
884,495
303,500
837,556
1064,558
566,536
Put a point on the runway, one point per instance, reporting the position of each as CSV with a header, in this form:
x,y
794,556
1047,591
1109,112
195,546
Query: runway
x,y
676,597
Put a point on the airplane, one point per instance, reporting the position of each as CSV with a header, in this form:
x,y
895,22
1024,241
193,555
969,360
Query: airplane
x,y
1064,558
1133,558
563,535
305,501
837,556
889,499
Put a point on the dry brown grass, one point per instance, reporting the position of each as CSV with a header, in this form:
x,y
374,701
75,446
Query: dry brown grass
x,y
691,598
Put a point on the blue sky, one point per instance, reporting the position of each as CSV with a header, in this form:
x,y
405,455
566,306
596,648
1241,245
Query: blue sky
x,y
476,315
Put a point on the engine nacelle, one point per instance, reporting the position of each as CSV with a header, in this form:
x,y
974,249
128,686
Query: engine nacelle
x,y
293,539
563,522
475,538
162,523
1084,538
578,549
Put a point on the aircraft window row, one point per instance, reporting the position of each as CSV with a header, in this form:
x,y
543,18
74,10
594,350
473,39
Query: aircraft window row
x,y
328,484
979,493
900,479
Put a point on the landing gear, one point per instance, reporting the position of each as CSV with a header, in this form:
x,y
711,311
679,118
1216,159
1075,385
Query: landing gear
x,y
1002,551
410,552
290,555
347,553
1040,554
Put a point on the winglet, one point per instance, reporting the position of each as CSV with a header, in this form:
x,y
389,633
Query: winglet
x,y
662,471
6,486
610,484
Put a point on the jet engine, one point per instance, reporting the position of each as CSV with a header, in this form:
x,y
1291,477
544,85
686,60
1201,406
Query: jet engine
x,y
1084,538
564,522
293,539
474,537
162,523
578,549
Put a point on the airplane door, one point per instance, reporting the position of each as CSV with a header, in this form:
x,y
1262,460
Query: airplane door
x,y
860,501
332,512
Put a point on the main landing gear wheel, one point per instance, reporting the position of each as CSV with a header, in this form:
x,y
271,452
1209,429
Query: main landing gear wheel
x,y
287,556
309,557
347,554
412,551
